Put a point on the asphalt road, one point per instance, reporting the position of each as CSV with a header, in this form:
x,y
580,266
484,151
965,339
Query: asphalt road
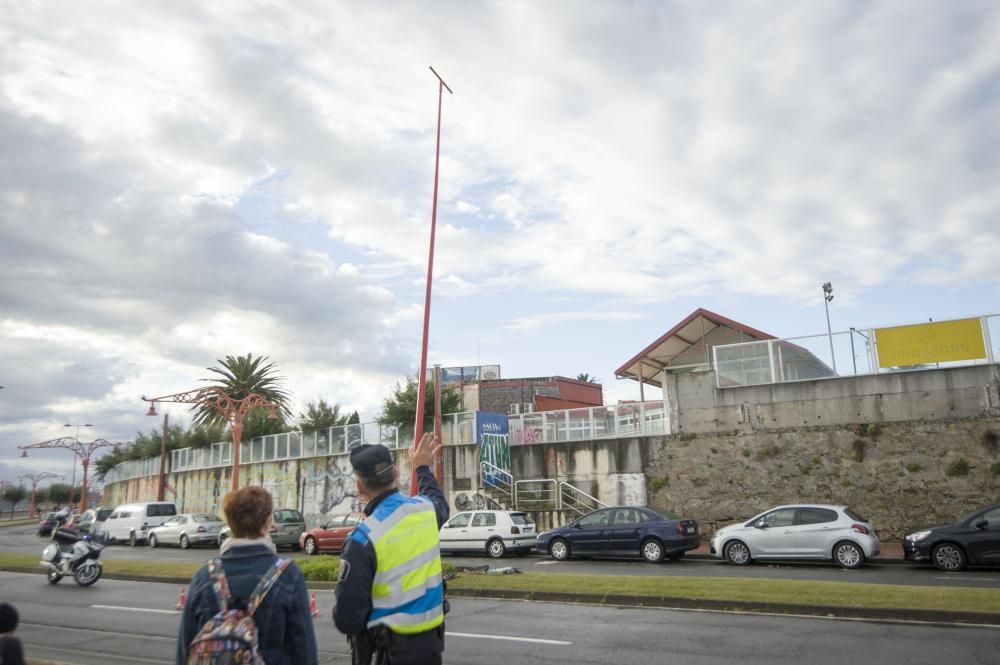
x,y
133,622
24,540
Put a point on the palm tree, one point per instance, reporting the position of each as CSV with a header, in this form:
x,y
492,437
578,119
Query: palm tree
x,y
241,376
587,377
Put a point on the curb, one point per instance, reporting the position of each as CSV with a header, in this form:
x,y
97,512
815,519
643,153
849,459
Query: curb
x,y
667,602
877,561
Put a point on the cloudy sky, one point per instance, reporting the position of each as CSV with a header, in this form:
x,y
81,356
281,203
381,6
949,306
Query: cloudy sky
x,y
180,181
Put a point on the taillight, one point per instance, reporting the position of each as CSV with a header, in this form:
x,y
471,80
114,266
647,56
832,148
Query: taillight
x,y
514,529
680,528
201,529
860,528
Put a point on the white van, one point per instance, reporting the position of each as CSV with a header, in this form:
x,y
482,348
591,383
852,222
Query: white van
x,y
131,522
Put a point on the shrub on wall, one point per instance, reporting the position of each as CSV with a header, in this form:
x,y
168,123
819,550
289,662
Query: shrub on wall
x,y
913,467
858,450
959,467
995,468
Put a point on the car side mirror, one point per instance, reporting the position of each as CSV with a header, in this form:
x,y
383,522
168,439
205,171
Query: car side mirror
x,y
982,524
761,524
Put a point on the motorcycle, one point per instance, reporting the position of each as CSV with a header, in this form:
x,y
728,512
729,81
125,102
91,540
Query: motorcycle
x,y
73,554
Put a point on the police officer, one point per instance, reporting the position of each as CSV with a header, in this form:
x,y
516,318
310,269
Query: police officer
x,y
390,593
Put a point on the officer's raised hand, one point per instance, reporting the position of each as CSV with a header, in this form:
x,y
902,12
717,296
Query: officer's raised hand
x,y
426,450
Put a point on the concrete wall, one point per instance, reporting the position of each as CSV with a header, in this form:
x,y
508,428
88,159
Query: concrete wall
x,y
932,395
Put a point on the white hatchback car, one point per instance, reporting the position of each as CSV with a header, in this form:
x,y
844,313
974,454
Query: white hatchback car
x,y
494,532
807,531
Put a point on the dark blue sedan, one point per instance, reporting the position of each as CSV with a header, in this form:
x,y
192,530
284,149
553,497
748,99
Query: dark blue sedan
x,y
621,531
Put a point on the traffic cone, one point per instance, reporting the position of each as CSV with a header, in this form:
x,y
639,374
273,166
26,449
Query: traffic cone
x,y
182,600
312,605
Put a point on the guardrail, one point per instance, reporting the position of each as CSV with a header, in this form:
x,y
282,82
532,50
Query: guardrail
x,y
575,499
540,494
499,481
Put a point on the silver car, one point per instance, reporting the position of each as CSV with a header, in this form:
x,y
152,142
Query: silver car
x,y
288,524
187,529
806,531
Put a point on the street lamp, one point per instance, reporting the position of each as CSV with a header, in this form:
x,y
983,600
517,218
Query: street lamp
x,y
82,450
234,411
161,485
72,483
36,478
827,297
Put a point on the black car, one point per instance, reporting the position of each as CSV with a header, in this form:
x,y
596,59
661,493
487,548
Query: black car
x,y
622,530
47,523
974,539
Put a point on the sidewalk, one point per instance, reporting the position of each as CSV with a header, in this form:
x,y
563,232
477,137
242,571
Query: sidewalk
x,y
891,553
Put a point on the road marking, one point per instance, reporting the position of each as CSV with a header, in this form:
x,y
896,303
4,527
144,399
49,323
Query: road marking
x,y
510,638
545,563
133,609
78,652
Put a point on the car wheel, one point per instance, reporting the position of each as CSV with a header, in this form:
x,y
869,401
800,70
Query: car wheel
x,y
152,540
185,543
311,548
559,549
948,557
848,555
651,550
676,556
737,553
132,540
495,548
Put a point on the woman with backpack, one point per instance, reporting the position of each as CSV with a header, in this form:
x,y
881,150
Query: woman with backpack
x,y
249,605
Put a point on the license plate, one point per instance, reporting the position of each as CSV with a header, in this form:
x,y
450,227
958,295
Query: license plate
x,y
690,529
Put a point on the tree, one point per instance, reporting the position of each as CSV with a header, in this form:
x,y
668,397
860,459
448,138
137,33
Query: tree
x,y
320,415
400,408
241,376
59,493
355,419
14,494
260,423
587,377
202,436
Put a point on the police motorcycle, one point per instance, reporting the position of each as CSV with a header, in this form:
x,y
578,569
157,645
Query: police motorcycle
x,y
73,554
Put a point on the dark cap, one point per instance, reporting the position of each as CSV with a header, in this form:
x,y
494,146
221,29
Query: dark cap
x,y
369,460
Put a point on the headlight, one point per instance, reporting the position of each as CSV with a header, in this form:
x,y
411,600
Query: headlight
x,y
918,536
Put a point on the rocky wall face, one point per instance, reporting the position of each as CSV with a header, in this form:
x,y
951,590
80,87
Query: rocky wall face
x,y
898,475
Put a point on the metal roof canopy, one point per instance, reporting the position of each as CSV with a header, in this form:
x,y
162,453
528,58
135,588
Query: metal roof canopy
x,y
687,346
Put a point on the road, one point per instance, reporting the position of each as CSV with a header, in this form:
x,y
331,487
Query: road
x,y
133,622
24,540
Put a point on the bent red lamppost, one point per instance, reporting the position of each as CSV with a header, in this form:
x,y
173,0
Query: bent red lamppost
x,y
82,449
422,376
234,411
36,478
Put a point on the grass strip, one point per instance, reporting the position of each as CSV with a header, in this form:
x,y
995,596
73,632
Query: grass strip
x,y
151,569
18,522
793,592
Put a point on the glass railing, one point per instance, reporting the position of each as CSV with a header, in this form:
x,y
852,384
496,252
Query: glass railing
x,y
628,419
854,352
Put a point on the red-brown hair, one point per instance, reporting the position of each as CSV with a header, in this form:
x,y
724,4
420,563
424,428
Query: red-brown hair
x,y
247,510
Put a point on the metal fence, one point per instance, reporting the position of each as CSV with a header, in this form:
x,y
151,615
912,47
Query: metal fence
x,y
630,419
850,353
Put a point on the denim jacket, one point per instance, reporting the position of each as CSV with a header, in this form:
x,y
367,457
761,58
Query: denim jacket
x,y
284,623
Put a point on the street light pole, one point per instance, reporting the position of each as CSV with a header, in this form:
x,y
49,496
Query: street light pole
x,y
418,430
827,297
35,478
233,410
72,484
83,450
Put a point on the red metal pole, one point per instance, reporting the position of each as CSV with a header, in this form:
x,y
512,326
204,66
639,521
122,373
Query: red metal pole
x,y
163,460
237,441
85,462
418,429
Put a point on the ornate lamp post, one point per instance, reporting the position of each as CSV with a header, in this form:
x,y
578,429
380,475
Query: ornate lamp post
x,y
72,483
234,411
36,478
82,450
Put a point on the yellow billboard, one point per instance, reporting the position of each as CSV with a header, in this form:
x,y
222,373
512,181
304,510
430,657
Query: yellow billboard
x,y
924,343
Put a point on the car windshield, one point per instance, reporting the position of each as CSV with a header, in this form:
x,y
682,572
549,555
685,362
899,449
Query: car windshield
x,y
205,517
286,516
854,515
102,515
520,519
161,510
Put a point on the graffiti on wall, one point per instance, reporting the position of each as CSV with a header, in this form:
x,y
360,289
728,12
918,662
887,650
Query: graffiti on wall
x,y
530,435
328,486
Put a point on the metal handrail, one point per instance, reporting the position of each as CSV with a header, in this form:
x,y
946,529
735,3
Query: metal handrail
x,y
526,500
570,502
499,479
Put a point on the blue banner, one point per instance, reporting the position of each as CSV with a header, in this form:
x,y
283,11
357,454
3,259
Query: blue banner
x,y
493,437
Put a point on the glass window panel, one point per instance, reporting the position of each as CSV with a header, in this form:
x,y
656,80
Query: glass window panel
x,y
294,444
269,446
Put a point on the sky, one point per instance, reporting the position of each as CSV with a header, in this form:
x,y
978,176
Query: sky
x,y
184,181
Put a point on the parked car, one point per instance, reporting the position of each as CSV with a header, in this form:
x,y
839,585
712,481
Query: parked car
x,y
131,522
974,539
331,535
622,530
495,532
286,530
807,531
47,523
187,529
85,522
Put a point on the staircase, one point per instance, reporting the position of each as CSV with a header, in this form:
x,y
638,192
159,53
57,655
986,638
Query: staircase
x,y
551,502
